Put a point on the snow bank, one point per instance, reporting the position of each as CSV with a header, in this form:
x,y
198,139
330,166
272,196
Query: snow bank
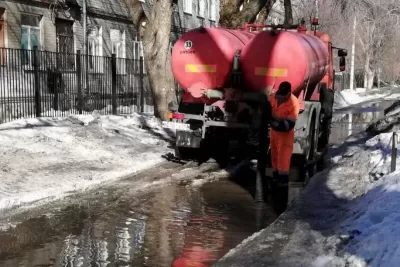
x,y
124,110
49,157
373,219
347,97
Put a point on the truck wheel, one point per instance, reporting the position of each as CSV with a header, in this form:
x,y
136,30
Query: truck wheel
x,y
311,169
321,164
188,153
220,152
298,162
185,153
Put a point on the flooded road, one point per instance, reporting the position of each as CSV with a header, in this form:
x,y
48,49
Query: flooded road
x,y
171,226
175,225
355,119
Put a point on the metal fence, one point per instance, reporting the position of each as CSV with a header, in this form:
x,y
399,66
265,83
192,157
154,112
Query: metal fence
x,y
37,83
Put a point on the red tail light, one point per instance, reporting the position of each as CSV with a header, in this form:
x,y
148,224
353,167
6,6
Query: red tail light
x,y
178,116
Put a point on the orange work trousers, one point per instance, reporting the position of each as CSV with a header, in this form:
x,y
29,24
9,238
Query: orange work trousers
x,y
281,150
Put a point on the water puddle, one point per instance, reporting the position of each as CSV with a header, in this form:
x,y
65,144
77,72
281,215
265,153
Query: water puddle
x,y
177,225
355,119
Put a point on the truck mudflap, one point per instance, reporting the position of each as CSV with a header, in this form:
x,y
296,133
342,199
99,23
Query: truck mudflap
x,y
184,135
188,138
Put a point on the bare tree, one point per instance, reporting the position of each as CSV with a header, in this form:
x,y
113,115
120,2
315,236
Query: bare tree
x,y
376,32
263,15
288,12
154,31
233,13
375,29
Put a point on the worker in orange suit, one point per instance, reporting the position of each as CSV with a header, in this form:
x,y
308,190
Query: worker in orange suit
x,y
284,113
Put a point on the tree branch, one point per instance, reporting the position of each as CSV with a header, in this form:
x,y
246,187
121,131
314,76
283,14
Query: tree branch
x,y
231,16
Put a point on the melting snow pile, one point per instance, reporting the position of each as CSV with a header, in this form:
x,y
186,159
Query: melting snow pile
x,y
368,234
49,157
347,98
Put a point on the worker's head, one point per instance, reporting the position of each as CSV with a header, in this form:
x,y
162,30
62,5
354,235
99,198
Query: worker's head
x,y
284,91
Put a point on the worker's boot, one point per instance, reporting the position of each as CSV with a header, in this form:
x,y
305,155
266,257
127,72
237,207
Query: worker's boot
x,y
273,183
281,193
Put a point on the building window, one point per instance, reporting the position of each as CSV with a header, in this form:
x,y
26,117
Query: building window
x,y
30,36
65,44
187,6
201,8
2,37
118,47
95,49
212,10
137,54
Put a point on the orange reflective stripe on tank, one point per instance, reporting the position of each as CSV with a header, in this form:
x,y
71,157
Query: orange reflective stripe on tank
x,y
200,68
274,72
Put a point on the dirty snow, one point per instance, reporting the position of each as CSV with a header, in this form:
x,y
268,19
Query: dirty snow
x,y
47,158
347,216
347,97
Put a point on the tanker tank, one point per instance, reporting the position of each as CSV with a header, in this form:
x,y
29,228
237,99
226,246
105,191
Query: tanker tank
x,y
202,58
271,58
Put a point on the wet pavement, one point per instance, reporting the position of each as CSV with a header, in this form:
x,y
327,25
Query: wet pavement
x,y
175,225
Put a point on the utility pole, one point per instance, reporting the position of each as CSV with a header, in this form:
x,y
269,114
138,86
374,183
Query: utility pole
x,y
353,51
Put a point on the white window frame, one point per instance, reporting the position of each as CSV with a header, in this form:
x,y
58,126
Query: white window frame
x,y
96,51
212,10
188,6
29,27
120,54
136,56
201,8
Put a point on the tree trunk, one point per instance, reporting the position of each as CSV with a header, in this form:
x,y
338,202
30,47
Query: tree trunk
x,y
379,77
155,35
368,73
231,16
371,76
263,15
288,12
353,53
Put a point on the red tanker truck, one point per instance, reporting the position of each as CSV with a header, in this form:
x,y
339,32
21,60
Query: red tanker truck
x,y
225,73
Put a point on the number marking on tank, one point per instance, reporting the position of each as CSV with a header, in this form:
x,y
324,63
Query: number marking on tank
x,y
188,44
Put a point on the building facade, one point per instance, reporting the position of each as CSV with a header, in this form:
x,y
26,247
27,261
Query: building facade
x,y
57,25
62,79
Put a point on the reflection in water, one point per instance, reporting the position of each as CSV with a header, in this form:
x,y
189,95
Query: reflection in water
x,y
174,226
346,123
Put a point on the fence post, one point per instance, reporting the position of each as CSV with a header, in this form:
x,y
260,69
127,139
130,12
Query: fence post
x,y
79,80
54,79
37,81
394,152
141,83
114,83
